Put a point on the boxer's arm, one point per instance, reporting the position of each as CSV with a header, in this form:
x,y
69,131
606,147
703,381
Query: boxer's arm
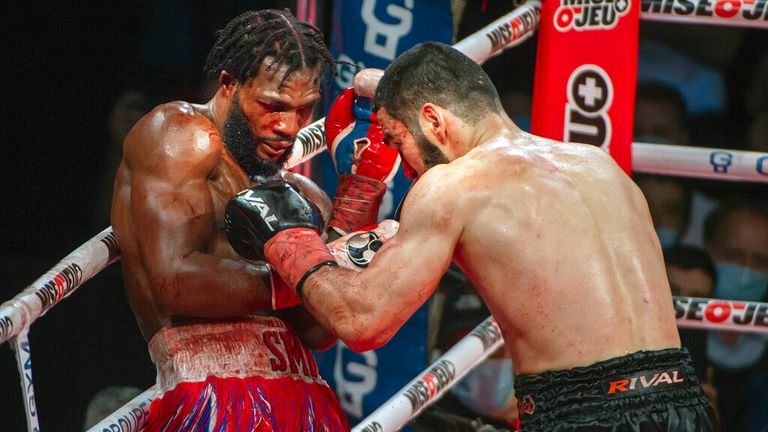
x,y
366,308
173,215
312,334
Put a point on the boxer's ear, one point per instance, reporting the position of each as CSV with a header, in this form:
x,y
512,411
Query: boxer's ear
x,y
432,120
227,82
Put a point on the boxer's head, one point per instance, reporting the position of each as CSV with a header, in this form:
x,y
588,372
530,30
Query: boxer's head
x,y
427,89
269,67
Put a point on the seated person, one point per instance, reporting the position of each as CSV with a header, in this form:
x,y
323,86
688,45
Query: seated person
x,y
669,200
691,273
484,399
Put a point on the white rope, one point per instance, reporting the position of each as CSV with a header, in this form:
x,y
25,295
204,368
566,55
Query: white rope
x,y
735,13
717,314
709,163
430,385
58,283
131,417
507,31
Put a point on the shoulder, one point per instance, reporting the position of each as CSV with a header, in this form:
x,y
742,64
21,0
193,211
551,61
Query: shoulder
x,y
174,132
435,191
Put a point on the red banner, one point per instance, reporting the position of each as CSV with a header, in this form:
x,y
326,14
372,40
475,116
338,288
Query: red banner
x,y
586,69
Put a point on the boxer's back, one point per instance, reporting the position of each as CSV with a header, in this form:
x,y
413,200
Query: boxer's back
x,y
560,244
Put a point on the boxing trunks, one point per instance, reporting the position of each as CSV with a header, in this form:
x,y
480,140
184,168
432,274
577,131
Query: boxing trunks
x,y
644,391
252,374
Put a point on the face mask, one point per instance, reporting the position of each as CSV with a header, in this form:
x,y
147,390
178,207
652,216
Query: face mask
x,y
488,388
747,352
735,282
667,237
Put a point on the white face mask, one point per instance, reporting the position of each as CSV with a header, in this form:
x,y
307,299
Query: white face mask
x,y
488,388
747,352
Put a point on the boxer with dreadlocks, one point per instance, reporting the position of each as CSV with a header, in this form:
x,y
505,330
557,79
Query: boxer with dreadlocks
x,y
231,350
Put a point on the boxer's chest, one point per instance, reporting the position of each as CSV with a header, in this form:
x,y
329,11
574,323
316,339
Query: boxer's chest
x,y
225,183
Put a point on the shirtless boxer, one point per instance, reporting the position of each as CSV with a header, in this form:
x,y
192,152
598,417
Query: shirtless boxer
x,y
556,238
224,358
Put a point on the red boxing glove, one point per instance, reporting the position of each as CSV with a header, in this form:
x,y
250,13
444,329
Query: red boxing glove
x,y
296,253
283,295
355,141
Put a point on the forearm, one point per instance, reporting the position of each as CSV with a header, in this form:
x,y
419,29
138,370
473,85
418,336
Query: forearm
x,y
203,285
354,313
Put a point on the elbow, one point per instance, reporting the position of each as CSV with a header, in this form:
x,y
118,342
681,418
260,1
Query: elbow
x,y
364,335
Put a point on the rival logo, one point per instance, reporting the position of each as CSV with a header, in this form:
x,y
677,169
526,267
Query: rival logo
x,y
749,9
643,382
581,15
590,95
259,203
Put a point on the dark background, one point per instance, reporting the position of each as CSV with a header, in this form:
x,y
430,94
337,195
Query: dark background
x,y
64,63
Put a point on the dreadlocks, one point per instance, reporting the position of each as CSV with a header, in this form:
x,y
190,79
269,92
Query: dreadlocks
x,y
251,37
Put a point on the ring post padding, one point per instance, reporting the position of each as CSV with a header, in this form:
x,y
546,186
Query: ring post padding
x,y
430,385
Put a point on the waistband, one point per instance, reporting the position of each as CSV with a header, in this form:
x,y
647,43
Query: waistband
x,y
645,380
251,346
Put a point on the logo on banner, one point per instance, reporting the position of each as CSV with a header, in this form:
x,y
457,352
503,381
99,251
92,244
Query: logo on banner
x,y
382,38
721,311
354,380
720,161
762,165
590,95
581,15
747,9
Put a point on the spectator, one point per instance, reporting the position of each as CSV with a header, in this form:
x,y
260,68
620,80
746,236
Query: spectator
x,y
758,134
736,235
691,273
107,401
484,398
660,114
669,200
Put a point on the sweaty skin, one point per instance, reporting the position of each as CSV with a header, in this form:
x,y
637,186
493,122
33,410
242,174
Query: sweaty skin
x,y
171,189
555,237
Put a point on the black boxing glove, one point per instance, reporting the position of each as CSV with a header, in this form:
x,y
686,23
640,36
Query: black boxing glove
x,y
255,215
275,217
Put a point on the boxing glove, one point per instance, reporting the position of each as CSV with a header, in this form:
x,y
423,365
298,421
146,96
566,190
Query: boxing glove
x,y
355,250
356,144
274,221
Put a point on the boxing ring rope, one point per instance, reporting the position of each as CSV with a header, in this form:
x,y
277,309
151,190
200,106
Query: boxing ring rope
x,y
708,163
17,314
736,13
